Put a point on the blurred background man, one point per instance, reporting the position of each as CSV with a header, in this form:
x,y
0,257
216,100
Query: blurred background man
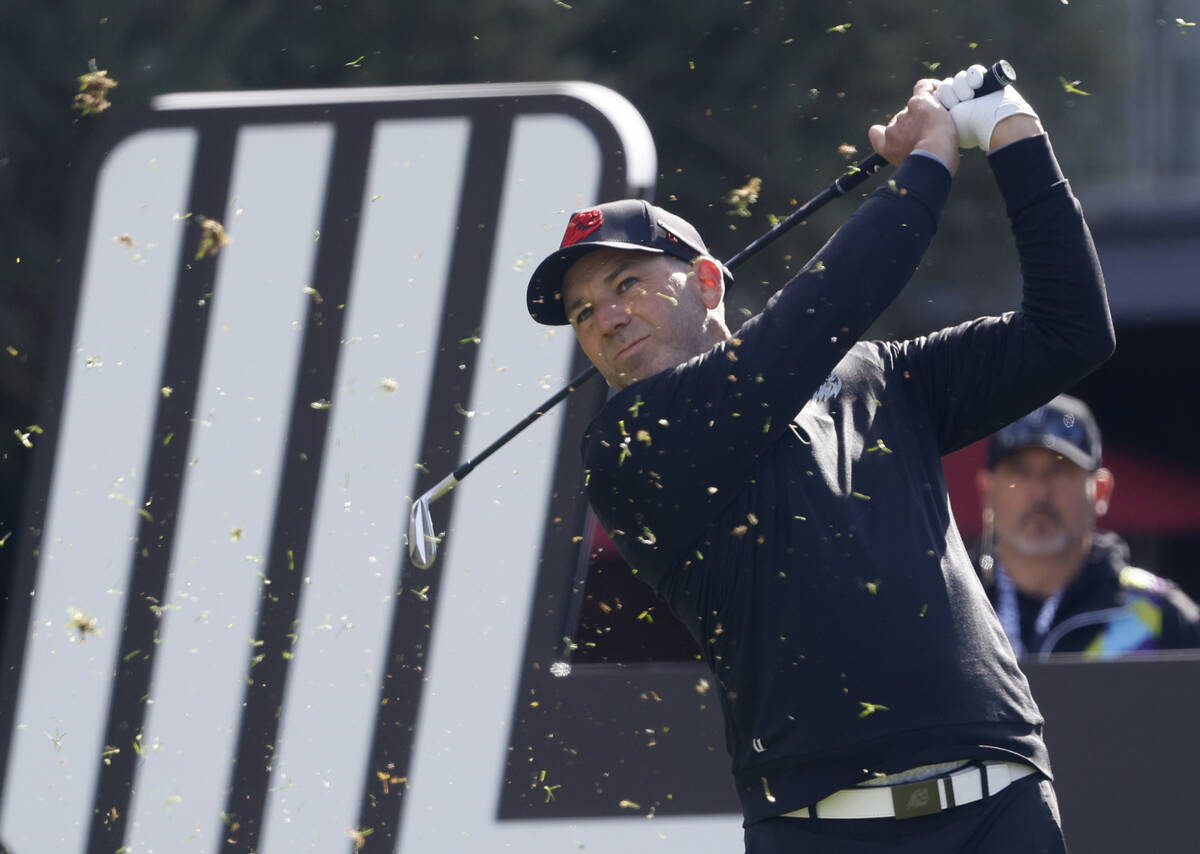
x,y
1057,583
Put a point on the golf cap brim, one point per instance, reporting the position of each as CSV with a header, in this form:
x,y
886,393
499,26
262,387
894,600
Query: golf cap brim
x,y
630,224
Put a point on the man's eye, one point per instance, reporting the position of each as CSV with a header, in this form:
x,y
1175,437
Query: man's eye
x,y
582,315
625,284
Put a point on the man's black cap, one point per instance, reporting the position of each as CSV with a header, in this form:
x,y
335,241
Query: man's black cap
x,y
1065,426
628,224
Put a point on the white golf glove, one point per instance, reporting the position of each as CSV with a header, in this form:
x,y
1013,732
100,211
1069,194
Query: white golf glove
x,y
976,118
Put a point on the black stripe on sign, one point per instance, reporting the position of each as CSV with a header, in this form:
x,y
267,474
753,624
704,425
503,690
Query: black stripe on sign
x,y
441,448
288,550
147,578
26,544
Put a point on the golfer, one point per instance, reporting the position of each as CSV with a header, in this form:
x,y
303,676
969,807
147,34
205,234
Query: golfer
x,y
781,490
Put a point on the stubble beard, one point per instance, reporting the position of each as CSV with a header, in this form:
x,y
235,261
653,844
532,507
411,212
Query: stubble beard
x,y
1040,532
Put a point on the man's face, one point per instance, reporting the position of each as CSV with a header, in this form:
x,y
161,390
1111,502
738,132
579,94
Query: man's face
x,y
1044,504
636,313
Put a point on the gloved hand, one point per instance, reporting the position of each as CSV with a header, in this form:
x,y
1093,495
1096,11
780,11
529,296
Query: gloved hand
x,y
976,118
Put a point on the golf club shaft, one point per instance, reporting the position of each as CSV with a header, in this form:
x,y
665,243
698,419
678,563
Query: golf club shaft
x,y
997,77
847,182
469,466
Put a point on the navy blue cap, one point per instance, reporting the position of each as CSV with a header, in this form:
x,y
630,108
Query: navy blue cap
x,y
1065,426
633,224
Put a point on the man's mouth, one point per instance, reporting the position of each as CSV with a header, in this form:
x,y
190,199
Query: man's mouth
x,y
628,349
1042,516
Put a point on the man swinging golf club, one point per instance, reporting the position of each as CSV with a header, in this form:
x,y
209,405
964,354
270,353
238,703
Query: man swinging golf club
x,y
781,489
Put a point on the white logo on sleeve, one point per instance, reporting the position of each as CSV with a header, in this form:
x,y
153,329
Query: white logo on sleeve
x,y
829,389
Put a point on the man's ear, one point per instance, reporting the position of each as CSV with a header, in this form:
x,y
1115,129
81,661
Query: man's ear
x,y
709,281
983,483
1103,484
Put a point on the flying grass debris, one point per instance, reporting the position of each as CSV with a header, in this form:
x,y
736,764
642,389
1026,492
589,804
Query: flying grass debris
x,y
82,624
213,238
23,437
767,791
93,91
744,196
547,787
1071,87
56,739
388,778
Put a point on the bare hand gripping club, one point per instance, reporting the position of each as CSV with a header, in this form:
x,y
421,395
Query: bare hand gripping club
x,y
422,536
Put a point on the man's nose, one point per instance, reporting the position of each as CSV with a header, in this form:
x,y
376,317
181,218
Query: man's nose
x,y
612,315
1040,483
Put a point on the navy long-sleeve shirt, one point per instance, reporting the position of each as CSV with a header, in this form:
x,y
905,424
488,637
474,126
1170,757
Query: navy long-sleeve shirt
x,y
783,494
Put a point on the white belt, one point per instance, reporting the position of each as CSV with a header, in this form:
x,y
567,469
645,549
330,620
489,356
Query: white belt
x,y
909,800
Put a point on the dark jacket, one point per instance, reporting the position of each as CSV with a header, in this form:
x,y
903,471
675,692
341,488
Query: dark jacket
x,y
783,494
1111,609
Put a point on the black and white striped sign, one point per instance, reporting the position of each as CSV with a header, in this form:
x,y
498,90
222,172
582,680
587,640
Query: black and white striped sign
x,y
217,642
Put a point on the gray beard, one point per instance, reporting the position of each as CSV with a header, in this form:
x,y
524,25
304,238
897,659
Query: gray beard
x,y
1043,546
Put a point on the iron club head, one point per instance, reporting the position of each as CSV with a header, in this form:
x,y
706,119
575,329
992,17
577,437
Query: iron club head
x,y
422,536
422,539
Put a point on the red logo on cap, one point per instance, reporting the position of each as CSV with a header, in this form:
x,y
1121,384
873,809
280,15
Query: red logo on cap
x,y
581,225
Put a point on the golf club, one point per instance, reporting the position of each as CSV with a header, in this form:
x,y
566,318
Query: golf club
x,y
422,536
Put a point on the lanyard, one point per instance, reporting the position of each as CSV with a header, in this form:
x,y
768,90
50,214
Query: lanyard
x,y
1009,611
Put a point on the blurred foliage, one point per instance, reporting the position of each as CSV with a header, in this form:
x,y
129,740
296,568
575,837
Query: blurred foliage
x,y
732,89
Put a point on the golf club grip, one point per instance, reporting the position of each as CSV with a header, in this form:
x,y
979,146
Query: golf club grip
x,y
1001,74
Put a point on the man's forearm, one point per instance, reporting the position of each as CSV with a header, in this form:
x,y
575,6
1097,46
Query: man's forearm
x,y
1063,298
979,376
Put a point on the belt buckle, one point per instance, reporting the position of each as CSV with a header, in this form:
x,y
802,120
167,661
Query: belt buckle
x,y
914,799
